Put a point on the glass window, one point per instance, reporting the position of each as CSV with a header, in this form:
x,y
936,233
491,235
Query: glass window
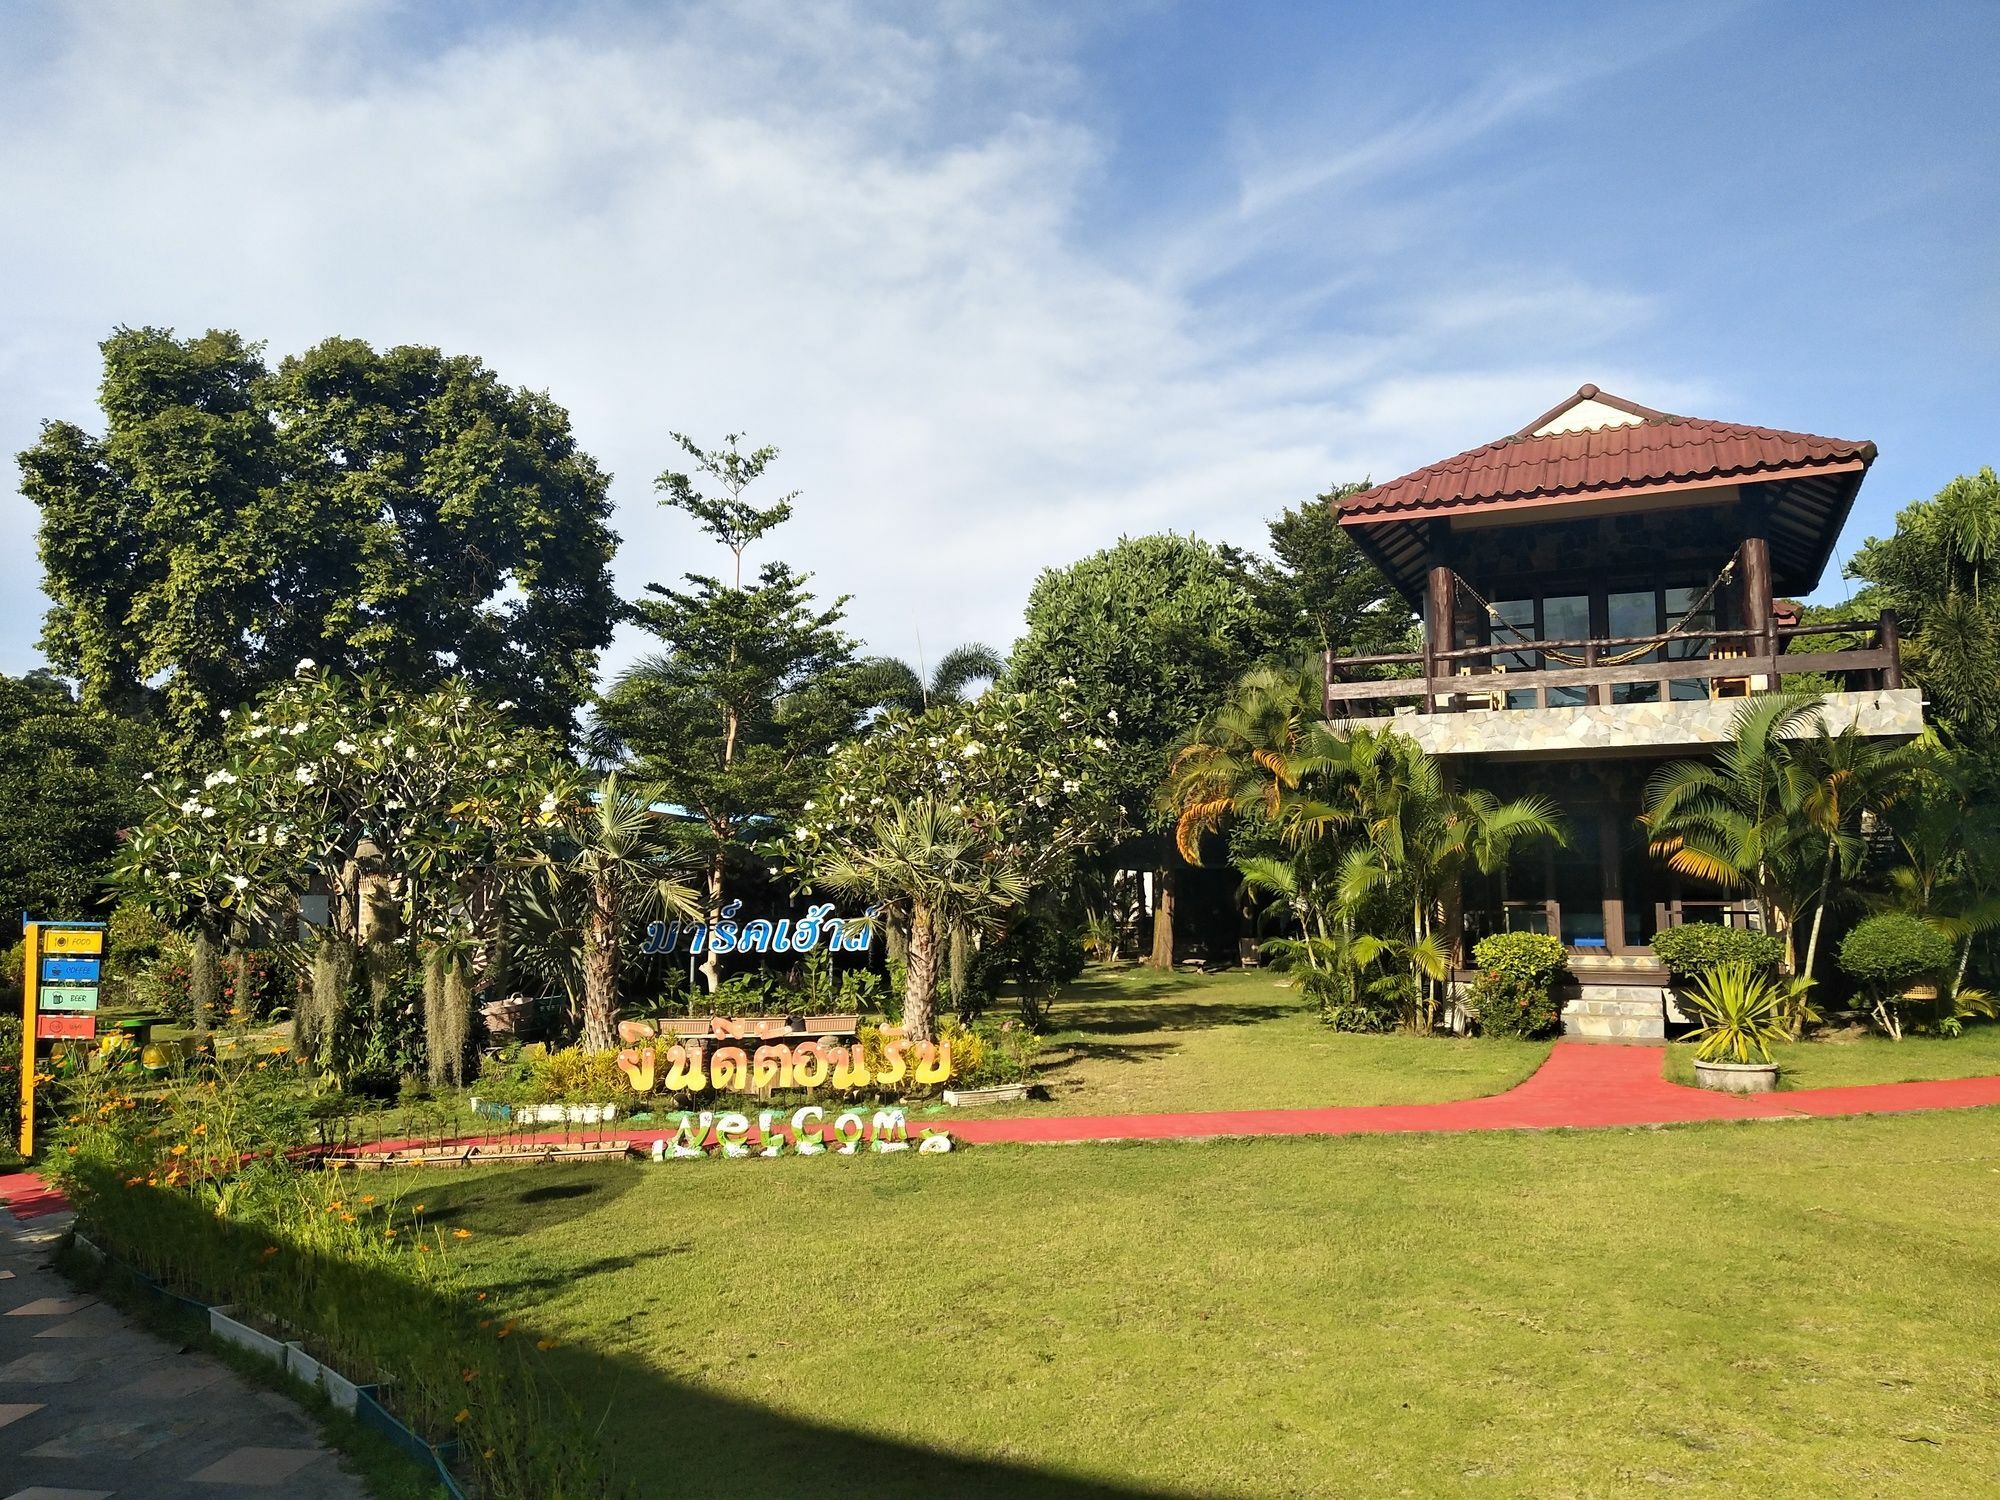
x,y
1630,614
1681,607
1514,620
1566,618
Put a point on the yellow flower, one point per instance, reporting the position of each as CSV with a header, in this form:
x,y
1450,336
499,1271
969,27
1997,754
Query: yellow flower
x,y
201,1130
347,1218
180,1151
463,1414
461,1234
367,1197
545,1345
418,1209
388,1234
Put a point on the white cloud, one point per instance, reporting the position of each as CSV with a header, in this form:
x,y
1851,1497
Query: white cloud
x,y
854,239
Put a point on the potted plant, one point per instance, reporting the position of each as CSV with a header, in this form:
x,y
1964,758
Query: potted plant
x,y
1739,1012
1896,959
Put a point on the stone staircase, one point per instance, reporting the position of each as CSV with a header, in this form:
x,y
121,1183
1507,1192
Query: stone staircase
x,y
1616,1012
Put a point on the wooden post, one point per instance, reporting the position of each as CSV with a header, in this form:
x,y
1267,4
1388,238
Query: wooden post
x,y
1611,881
1440,609
1889,637
1756,555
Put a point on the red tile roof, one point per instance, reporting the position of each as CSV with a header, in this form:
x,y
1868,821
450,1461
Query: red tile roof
x,y
1659,452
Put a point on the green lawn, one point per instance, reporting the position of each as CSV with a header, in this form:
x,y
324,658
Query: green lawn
x,y
1126,1041
1836,1062
1776,1309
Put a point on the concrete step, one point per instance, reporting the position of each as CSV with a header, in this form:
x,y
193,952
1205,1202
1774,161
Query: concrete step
x,y
1615,1028
1616,1013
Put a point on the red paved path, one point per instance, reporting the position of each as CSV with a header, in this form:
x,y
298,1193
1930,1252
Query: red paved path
x,y
1580,1086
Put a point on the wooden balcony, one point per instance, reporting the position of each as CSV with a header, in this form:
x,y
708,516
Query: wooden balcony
x,y
1859,656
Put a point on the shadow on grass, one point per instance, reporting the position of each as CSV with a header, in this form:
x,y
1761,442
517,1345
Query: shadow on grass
x,y
1098,1019
568,1418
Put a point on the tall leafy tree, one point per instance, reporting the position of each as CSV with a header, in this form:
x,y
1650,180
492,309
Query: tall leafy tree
x,y
754,684
1940,570
68,780
1152,632
1316,592
403,512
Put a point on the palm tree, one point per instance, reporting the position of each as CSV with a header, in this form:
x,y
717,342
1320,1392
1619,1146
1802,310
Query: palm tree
x,y
1745,821
1848,778
928,873
613,857
1420,836
1241,761
890,682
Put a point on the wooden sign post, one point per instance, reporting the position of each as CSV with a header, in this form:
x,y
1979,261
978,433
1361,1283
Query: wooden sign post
x,y
62,968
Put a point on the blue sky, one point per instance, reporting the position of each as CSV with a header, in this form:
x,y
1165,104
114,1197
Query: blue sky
x,y
1006,282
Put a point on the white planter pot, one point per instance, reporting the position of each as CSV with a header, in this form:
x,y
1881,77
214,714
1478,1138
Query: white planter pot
x,y
1737,1078
1000,1093
226,1328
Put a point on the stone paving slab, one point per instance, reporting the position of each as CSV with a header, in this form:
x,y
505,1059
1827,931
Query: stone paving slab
x,y
93,1407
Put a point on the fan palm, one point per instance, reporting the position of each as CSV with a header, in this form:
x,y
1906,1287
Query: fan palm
x,y
926,871
612,856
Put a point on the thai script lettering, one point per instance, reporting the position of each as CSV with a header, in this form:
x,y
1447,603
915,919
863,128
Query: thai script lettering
x,y
817,928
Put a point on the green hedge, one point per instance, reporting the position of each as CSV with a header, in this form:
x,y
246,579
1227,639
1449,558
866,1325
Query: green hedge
x,y
1887,954
1700,946
1514,994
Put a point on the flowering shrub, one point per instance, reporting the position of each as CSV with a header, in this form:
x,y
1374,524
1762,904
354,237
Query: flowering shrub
x,y
1514,994
200,1184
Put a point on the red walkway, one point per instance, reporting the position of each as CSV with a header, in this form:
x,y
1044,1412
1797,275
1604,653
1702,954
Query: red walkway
x,y
1580,1086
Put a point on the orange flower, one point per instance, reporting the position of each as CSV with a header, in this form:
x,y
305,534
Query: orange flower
x,y
388,1234
485,1322
481,1297
418,1209
367,1197
201,1130
463,1413
505,1329
269,1251
468,1376
461,1234
545,1345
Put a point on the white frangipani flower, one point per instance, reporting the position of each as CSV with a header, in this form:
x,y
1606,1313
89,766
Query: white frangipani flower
x,y
306,664
345,747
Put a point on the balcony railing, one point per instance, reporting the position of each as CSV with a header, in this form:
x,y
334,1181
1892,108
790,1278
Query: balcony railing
x,y
1600,918
1714,663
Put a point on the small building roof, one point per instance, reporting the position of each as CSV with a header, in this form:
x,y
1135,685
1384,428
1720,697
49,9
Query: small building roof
x,y
1594,446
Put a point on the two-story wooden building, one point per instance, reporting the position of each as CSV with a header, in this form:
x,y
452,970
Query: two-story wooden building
x,y
1599,591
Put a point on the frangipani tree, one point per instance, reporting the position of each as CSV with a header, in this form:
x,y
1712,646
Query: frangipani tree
x,y
405,807
1015,784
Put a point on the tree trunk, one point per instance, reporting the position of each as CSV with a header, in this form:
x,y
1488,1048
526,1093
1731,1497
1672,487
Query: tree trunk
x,y
711,966
920,974
1162,956
205,974
1819,910
600,964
